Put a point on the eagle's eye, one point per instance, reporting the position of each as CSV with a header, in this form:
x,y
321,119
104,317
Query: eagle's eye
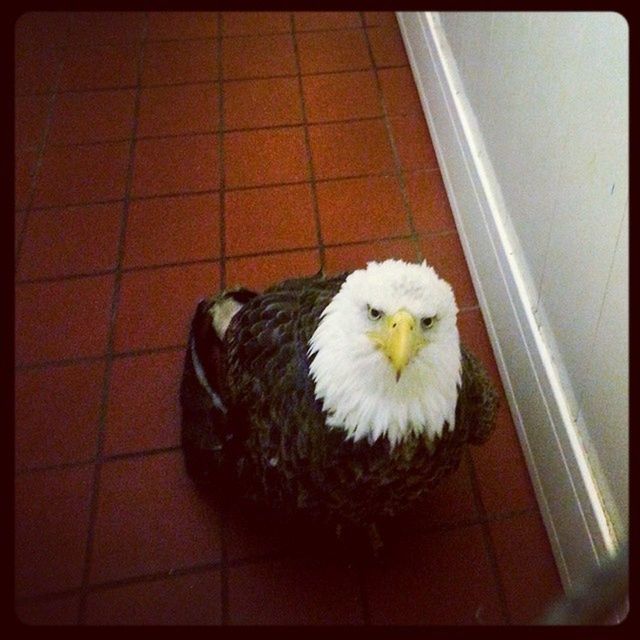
x,y
374,314
427,323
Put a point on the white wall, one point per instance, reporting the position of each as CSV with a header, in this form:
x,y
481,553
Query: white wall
x,y
529,116
550,94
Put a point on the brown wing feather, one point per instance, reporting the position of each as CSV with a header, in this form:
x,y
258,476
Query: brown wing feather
x,y
478,399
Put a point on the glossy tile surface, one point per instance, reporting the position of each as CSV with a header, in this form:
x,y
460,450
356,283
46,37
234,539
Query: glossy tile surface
x,y
159,157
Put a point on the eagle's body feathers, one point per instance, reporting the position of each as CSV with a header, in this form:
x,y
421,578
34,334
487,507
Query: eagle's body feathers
x,y
270,393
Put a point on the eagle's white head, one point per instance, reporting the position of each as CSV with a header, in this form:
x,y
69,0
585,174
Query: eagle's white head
x,y
386,353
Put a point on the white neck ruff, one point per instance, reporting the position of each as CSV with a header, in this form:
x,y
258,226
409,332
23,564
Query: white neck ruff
x,y
357,384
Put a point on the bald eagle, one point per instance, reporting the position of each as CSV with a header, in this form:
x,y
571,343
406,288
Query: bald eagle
x,y
343,398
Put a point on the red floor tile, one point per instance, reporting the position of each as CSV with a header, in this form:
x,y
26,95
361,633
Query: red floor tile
x,y
30,119
259,272
156,305
77,240
512,489
79,175
341,96
474,335
380,19
151,420
24,169
41,29
170,230
57,611
350,149
51,525
65,319
105,27
37,70
173,62
361,209
525,560
387,46
262,103
150,519
156,535
57,414
172,25
192,599
168,166
319,20
413,143
74,117
435,578
399,91
429,202
326,51
271,219
240,23
293,593
19,218
179,109
444,253
356,256
263,157
104,66
258,56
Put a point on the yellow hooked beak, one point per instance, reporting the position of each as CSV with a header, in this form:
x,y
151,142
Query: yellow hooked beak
x,y
399,338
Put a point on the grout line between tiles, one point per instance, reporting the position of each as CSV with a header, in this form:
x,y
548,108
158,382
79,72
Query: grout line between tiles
x,y
224,553
123,270
34,171
396,157
180,194
125,455
156,85
60,466
64,362
131,353
307,142
221,157
128,455
157,575
136,41
258,254
488,542
93,508
256,559
206,132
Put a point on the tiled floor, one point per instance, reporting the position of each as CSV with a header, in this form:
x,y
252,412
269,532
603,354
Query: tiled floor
x,y
159,157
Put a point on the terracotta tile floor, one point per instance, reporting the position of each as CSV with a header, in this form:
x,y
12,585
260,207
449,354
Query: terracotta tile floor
x,y
162,156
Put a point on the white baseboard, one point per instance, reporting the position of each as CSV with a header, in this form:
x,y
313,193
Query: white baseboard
x,y
580,532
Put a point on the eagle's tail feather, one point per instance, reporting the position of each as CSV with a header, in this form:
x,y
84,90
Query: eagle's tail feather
x,y
481,399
